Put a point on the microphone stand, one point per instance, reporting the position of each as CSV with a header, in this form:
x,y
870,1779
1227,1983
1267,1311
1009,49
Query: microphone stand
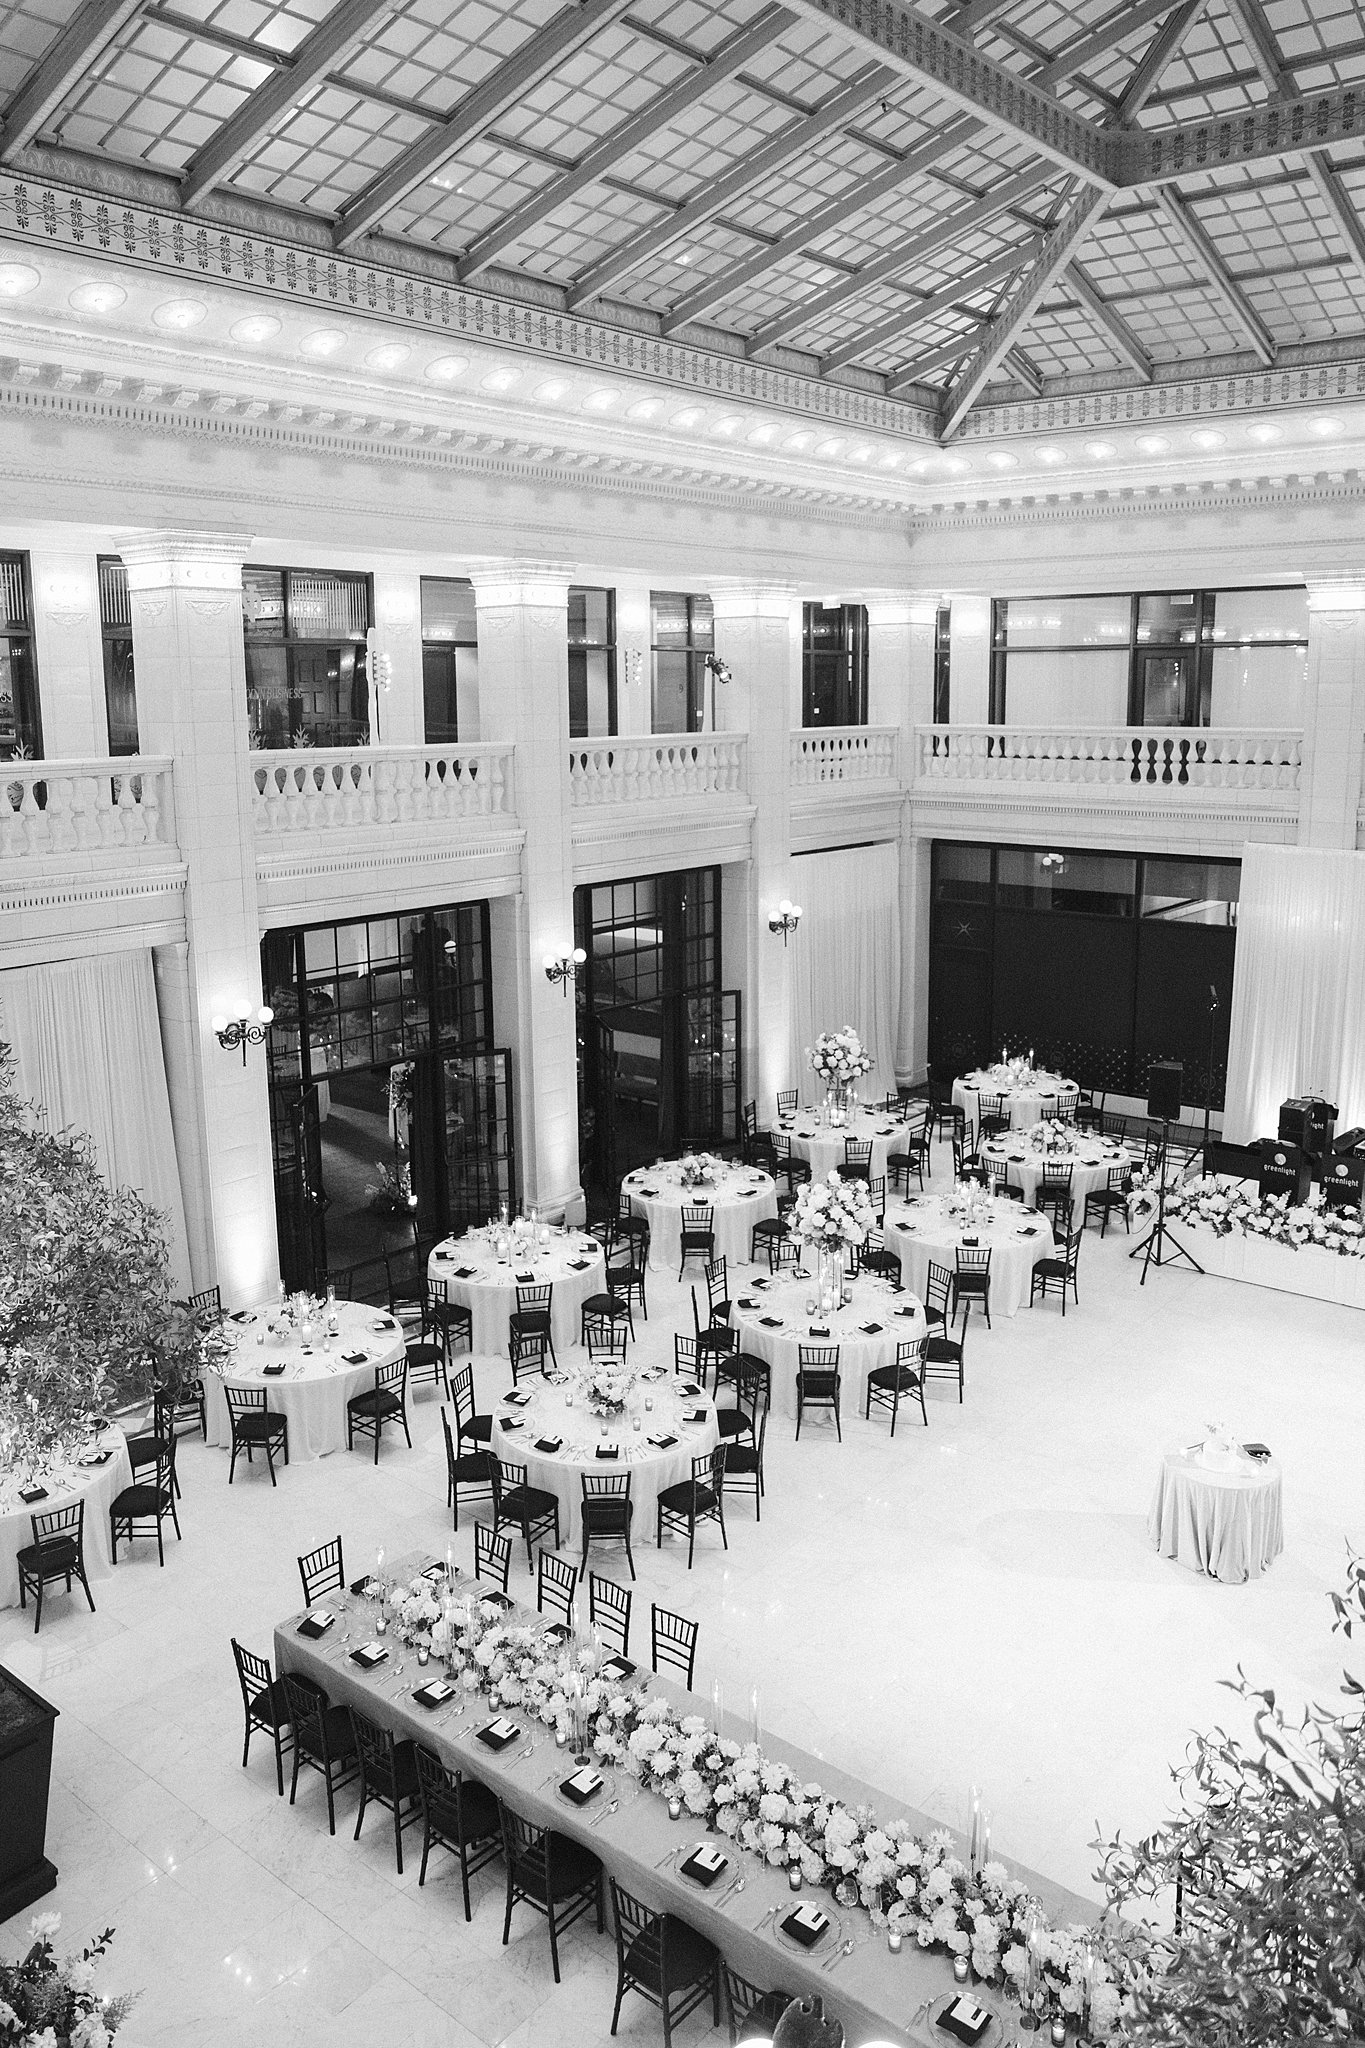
x,y
1208,1073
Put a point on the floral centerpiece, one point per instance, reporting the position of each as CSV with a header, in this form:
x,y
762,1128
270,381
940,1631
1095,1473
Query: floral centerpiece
x,y
607,1384
1054,1135
1226,1205
1018,1071
969,1204
699,1170
51,2002
833,1213
839,1057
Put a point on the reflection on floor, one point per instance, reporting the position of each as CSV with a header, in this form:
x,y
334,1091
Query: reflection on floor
x,y
975,1602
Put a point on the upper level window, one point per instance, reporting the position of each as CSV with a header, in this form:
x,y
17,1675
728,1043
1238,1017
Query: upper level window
x,y
592,663
450,660
21,725
682,633
834,664
306,678
116,633
943,663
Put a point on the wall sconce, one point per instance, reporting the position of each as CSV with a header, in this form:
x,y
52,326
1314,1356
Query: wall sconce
x,y
1052,863
240,1029
785,919
562,967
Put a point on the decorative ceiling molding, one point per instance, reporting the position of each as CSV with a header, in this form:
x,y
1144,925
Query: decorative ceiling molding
x,y
1336,488
58,216
1240,391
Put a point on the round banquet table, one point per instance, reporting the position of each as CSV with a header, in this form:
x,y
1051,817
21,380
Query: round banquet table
x,y
1018,1238
547,1415
823,1148
312,1391
1024,1106
861,1351
476,1280
1228,1525
738,1198
1090,1163
95,1484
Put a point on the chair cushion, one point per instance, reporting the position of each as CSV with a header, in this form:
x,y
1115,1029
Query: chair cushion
x,y
572,1869
145,1450
475,1467
379,1401
762,2017
477,1818
818,1386
686,1956
942,1351
270,1709
741,1457
54,1555
139,1501
479,1429
603,1305
604,1515
257,1427
523,1503
340,1735
422,1355
732,1422
405,1769
677,1500
1051,1269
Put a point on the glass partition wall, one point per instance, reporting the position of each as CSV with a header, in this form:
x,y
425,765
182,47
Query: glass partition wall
x,y
389,1104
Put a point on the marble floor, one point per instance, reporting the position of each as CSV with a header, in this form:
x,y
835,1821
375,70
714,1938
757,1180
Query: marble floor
x,y
973,1602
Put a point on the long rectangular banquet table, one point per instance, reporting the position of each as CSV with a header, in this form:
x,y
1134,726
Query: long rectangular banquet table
x,y
876,1994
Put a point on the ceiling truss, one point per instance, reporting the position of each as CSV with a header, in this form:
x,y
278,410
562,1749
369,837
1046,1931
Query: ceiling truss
x,y
1000,119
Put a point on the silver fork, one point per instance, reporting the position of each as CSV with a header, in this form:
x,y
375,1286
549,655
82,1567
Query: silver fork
x,y
767,1916
598,1818
671,1857
845,1948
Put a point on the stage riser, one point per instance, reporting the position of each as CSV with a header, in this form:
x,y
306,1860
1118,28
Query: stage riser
x,y
1322,1275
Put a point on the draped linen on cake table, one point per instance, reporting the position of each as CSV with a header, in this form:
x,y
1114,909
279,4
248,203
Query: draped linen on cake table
x,y
87,1044
1298,988
846,961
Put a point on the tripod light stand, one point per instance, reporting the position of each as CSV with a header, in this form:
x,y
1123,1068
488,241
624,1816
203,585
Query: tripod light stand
x,y
1161,1247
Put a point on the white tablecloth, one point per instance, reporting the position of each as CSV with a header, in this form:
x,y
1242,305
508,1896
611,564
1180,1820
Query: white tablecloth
x,y
474,1278
823,1147
738,1198
922,1230
1228,1524
784,1298
1023,1106
1090,1164
315,1385
651,1470
97,1483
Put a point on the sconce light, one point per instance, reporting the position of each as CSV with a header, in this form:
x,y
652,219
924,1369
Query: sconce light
x,y
241,1029
1052,863
562,967
785,919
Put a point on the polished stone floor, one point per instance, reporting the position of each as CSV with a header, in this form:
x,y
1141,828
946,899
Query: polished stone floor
x,y
974,1602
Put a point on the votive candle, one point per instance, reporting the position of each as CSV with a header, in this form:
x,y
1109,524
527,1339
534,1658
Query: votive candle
x,y
962,1969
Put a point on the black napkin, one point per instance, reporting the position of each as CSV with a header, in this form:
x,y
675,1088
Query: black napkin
x,y
464,1272
359,1585
434,1693
97,1457
368,1655
28,1494
872,1329
309,1627
512,1422
689,1390
747,1303
443,1258
608,1450
549,1444
271,1372
964,2019
663,1443
496,1741
818,1330
559,1631
698,1872
498,1599
526,1279
807,1936
354,1358
771,1322
579,1794
697,1415
620,1667
1257,1451
578,1265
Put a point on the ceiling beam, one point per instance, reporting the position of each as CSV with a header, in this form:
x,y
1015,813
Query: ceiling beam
x,y
734,53
1154,60
539,54
1199,243
1098,41
713,290
949,63
917,311
947,229
975,14
1338,202
1259,38
1112,324
935,359
1279,128
1008,328
1026,369
279,96
871,83
62,66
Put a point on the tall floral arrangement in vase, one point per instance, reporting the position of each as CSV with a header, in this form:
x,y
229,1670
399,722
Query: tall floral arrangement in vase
x,y
839,1057
833,1214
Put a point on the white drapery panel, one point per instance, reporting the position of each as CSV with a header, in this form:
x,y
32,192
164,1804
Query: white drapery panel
x,y
1298,987
846,965
87,1043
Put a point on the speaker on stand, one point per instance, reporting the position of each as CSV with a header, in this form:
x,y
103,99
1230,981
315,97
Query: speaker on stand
x,y
1161,1247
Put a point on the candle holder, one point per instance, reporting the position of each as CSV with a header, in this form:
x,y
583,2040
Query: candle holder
x,y
381,1624
794,1875
1058,2033
894,1940
962,1969
675,1808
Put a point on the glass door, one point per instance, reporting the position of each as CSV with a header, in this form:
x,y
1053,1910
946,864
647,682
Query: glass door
x,y
300,1198
713,1068
462,1151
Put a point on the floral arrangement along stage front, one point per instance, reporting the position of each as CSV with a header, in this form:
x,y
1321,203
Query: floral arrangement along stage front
x,y
886,1870
1226,1205
48,2001
839,1057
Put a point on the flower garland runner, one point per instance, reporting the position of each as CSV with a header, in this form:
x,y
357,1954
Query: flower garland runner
x,y
1225,1206
887,1871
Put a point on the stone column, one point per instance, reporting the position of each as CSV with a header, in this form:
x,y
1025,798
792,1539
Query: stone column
x,y
186,596
70,656
758,633
970,685
524,698
1334,714
398,634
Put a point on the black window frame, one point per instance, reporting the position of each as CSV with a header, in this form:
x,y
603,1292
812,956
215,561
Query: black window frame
x,y
700,642
21,724
580,646
840,668
294,645
116,650
441,652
